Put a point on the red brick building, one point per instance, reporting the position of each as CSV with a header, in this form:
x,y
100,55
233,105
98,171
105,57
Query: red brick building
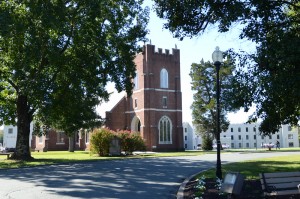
x,y
59,141
155,107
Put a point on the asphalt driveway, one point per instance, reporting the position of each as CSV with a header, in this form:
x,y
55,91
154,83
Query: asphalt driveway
x,y
157,178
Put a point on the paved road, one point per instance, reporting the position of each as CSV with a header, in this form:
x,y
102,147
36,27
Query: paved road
x,y
157,178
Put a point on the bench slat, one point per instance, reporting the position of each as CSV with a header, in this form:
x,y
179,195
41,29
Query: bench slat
x,y
283,192
281,174
282,180
292,185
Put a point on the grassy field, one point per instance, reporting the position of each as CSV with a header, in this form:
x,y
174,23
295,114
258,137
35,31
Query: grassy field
x,y
54,157
250,168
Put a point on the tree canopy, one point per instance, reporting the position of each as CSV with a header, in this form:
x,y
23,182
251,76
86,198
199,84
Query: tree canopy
x,y
70,110
268,78
48,46
204,106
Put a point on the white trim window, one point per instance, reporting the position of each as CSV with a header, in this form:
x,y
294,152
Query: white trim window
x,y
164,79
165,130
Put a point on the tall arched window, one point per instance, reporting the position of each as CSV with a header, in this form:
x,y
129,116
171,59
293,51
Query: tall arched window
x,y
136,81
165,130
164,79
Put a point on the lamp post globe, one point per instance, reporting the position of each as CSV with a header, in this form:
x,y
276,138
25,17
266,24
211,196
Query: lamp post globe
x,y
217,57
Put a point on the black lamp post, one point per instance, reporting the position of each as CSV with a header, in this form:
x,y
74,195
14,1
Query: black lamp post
x,y
217,57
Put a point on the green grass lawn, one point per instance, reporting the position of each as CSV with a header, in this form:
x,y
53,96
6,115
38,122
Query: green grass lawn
x,y
54,157
251,169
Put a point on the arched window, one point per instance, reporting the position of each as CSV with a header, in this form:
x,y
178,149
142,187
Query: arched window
x,y
136,81
164,79
165,130
135,124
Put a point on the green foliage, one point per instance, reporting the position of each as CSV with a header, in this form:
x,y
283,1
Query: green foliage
x,y
100,141
191,18
131,141
268,78
204,106
272,84
207,142
56,58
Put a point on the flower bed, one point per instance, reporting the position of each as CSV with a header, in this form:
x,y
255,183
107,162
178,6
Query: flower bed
x,y
251,190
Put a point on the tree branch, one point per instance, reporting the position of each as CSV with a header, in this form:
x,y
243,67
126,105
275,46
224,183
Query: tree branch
x,y
13,85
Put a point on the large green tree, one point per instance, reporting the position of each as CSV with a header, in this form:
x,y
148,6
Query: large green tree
x,y
268,78
70,110
204,106
44,43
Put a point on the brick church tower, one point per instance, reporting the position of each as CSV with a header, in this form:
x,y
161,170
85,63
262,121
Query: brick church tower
x,y
155,107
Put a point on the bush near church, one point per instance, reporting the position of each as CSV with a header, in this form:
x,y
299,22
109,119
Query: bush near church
x,y
101,139
131,141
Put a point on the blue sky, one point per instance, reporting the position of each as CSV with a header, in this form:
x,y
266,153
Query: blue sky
x,y
191,51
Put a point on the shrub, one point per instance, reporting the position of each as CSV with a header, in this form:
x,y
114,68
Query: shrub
x,y
131,141
207,141
138,143
100,141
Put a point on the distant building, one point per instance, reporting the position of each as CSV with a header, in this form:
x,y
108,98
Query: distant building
x,y
247,136
155,107
191,140
59,141
10,136
53,141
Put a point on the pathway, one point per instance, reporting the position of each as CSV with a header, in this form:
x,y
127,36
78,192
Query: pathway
x,y
157,178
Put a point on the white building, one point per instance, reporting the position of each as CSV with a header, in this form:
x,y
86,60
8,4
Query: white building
x,y
10,135
248,136
191,140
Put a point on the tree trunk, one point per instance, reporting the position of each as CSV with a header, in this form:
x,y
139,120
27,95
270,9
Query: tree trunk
x,y
72,143
24,118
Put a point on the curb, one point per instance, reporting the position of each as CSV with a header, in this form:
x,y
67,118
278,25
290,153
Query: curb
x,y
180,192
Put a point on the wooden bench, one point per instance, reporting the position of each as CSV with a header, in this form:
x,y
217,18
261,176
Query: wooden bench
x,y
280,183
7,154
